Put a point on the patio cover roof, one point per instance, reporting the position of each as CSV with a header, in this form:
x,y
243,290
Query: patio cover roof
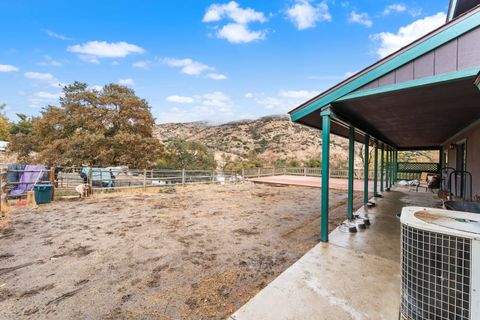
x,y
416,114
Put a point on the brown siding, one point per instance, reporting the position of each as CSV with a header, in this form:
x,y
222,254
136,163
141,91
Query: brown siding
x,y
446,58
473,155
458,54
424,66
469,50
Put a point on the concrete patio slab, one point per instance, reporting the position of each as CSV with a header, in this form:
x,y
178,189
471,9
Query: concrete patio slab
x,y
355,276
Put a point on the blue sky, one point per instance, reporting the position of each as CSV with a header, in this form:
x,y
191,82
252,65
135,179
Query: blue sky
x,y
199,60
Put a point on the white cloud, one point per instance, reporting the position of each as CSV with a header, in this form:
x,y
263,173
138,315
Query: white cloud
x,y
238,33
49,61
44,78
193,68
126,82
96,87
141,64
304,14
216,76
285,99
180,99
348,74
301,94
360,18
396,7
391,42
92,51
188,66
215,105
249,95
232,10
237,30
56,35
39,76
7,68
42,98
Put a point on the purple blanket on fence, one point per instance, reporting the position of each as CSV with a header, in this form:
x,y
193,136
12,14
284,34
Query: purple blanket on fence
x,y
22,188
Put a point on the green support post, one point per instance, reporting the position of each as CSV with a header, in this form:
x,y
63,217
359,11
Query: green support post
x,y
381,167
387,165
375,169
395,176
326,114
440,161
365,170
351,163
391,169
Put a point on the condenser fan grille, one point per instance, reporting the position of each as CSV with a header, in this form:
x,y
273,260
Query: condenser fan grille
x,y
435,275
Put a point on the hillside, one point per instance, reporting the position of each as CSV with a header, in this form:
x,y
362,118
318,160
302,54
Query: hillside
x,y
271,138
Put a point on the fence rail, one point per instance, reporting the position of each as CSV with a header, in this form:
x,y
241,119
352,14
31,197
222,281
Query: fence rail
x,y
66,179
301,171
405,171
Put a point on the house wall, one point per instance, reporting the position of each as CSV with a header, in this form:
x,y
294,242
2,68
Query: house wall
x,y
472,136
459,54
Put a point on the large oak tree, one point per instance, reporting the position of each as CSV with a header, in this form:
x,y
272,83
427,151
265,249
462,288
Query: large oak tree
x,y
109,127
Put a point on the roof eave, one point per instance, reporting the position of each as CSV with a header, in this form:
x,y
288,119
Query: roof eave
x,y
465,27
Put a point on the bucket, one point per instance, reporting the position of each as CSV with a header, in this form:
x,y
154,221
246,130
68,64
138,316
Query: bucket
x,y
43,193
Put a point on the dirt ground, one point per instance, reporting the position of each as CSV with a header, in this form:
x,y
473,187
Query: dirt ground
x,y
200,252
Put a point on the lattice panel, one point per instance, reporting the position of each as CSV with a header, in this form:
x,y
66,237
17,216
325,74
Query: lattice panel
x,y
418,167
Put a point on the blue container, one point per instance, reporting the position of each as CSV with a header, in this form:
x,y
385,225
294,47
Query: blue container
x,y
43,193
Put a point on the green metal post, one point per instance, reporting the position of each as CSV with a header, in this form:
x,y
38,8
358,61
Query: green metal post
x,y
365,170
395,177
391,168
387,165
351,163
440,161
326,114
381,167
375,169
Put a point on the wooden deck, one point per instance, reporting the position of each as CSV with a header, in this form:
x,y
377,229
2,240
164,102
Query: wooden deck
x,y
314,182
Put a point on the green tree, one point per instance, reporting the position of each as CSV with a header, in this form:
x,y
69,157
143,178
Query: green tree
x,y
314,163
22,141
294,163
4,124
190,155
109,127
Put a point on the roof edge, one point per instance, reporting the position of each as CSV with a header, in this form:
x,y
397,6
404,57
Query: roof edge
x,y
421,46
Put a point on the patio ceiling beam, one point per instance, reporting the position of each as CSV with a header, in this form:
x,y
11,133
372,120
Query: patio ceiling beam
x,y
417,83
449,32
340,121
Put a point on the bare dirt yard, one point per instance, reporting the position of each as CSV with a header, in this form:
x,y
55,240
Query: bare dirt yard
x,y
199,252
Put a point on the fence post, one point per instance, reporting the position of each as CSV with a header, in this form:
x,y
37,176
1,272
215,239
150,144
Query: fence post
x,y
144,180
90,180
1,191
274,171
243,173
258,171
52,181
304,171
183,176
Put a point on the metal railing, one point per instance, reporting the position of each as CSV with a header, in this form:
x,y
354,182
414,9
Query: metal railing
x,y
405,171
66,179
302,171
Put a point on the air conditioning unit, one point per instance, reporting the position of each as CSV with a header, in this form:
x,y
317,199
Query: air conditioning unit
x,y
440,264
